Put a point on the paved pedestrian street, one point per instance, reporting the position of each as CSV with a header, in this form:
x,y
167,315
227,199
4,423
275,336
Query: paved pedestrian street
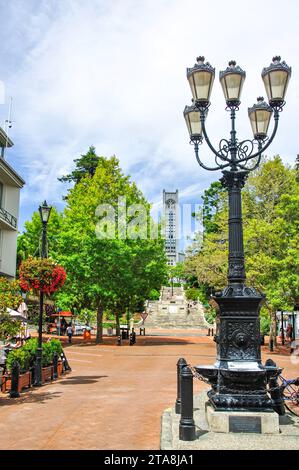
x,y
114,397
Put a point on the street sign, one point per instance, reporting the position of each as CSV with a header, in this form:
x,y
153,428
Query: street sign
x,y
144,315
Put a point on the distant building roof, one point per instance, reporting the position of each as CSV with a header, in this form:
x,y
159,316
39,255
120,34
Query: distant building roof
x,y
5,141
9,175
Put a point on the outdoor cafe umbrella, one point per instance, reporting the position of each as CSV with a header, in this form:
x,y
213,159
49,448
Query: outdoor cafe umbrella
x,y
17,316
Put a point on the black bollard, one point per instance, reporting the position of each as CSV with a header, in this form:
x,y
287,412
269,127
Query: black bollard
x,y
187,426
66,365
276,392
55,366
209,332
212,331
15,374
271,344
180,364
119,340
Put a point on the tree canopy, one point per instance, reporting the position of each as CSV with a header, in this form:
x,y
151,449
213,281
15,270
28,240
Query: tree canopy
x,y
271,236
85,165
105,269
29,242
10,297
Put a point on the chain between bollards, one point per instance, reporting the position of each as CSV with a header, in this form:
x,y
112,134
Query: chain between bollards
x,y
187,425
180,364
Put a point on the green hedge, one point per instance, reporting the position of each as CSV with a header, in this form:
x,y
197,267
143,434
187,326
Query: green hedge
x,y
19,355
26,354
196,294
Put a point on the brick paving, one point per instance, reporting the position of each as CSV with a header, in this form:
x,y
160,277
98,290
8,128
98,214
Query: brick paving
x,y
114,397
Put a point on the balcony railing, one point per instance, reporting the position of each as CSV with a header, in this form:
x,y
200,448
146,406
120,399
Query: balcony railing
x,y
7,217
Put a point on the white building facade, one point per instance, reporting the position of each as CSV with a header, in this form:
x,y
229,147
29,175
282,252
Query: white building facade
x,y
10,186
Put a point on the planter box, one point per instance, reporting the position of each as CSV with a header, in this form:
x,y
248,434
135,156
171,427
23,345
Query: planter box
x,y
4,383
59,368
47,373
25,381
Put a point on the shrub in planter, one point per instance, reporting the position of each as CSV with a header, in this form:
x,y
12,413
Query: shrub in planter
x,y
31,347
48,350
56,346
47,354
23,358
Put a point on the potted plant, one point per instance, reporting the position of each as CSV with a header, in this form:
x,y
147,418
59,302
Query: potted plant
x,y
41,274
23,358
47,356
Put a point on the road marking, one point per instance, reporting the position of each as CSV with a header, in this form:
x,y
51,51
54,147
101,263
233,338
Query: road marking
x,y
79,360
84,354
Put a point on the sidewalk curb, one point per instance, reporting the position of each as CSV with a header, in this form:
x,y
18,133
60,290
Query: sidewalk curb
x,y
166,439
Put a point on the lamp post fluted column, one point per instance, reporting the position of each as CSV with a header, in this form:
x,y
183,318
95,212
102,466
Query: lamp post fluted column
x,y
44,211
238,379
234,182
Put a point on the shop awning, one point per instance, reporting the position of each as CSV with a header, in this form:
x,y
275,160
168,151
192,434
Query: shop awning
x,y
62,314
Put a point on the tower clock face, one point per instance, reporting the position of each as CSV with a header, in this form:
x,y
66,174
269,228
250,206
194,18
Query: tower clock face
x,y
170,204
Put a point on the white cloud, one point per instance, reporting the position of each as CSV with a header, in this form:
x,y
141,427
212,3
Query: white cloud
x,y
112,74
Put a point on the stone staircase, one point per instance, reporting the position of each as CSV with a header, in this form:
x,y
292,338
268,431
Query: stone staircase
x,y
174,311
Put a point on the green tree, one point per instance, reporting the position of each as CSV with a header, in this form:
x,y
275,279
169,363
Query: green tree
x,y
10,297
107,272
213,199
29,242
297,168
271,235
270,215
85,166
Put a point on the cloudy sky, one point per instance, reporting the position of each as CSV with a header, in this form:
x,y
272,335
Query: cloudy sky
x,y
112,73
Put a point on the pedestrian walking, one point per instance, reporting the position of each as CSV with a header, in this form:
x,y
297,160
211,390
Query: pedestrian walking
x,y
69,332
132,337
63,326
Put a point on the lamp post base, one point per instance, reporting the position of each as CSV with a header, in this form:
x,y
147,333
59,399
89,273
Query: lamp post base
x,y
242,421
239,388
239,381
38,369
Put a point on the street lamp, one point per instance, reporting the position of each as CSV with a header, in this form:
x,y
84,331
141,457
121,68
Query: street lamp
x,y
44,212
238,378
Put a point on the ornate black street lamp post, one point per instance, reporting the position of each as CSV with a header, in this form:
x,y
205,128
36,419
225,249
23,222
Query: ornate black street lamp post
x,y
44,211
238,378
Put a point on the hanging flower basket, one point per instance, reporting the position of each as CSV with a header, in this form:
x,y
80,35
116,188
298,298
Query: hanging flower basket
x,y
41,274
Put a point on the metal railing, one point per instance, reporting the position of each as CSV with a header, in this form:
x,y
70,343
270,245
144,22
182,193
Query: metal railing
x,y
7,217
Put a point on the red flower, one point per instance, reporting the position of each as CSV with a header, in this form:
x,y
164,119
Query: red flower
x,y
41,274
